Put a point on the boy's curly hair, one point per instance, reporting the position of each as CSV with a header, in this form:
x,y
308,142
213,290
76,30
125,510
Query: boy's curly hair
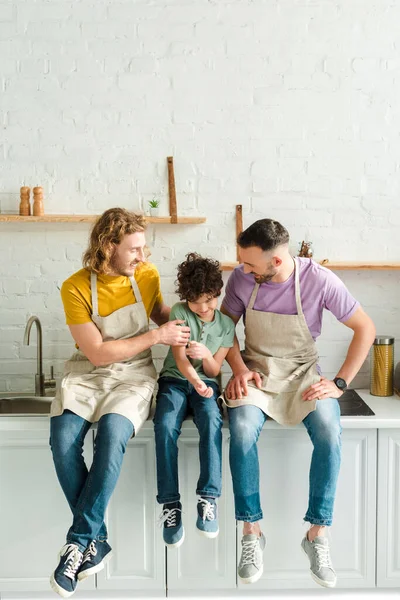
x,y
198,276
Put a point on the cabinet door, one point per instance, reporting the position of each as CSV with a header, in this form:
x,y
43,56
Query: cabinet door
x,y
388,562
34,514
201,563
138,561
284,470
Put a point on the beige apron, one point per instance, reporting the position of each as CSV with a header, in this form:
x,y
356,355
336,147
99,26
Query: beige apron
x,y
282,350
126,387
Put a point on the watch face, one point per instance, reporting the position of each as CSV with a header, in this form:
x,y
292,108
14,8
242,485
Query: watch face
x,y
340,383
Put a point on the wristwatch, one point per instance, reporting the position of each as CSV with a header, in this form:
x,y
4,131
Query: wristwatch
x,y
340,383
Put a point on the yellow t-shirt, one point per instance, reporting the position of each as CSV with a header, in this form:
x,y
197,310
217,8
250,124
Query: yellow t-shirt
x,y
113,293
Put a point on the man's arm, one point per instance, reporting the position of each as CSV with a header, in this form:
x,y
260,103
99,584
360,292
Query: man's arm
x,y
100,353
363,338
234,358
241,374
364,335
160,314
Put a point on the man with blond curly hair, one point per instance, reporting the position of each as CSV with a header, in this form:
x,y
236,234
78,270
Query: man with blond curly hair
x,y
109,380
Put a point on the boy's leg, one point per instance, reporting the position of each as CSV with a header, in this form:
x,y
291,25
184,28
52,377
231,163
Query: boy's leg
x,y
208,420
171,409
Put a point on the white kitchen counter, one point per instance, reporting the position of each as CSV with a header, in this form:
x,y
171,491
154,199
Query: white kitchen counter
x,y
365,538
387,415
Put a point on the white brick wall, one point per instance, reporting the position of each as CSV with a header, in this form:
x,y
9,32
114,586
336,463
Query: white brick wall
x,y
289,108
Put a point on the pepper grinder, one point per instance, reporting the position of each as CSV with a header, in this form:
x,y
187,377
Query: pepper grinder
x,y
38,208
24,205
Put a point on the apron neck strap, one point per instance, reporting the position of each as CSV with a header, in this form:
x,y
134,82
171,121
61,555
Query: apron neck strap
x,y
297,287
93,289
296,290
253,296
136,290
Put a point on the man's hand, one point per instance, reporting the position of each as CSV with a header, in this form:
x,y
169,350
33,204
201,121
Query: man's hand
x,y
238,385
325,388
202,389
198,351
172,334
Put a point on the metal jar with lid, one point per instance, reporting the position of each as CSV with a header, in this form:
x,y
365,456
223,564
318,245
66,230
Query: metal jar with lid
x,y
382,364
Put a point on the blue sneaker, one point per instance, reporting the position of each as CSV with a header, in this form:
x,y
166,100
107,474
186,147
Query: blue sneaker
x,y
64,580
207,517
94,558
171,517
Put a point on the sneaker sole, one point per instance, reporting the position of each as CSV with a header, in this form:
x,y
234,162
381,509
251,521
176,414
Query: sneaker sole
x,y
207,534
253,578
88,572
177,544
321,582
58,589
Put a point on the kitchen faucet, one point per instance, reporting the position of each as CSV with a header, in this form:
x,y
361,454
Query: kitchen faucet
x,y
40,382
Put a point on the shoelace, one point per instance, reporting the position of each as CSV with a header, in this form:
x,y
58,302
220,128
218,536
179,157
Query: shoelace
x,y
323,557
169,515
90,551
72,561
249,552
208,509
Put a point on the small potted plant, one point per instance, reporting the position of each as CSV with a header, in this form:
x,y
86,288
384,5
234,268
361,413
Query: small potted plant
x,y
154,206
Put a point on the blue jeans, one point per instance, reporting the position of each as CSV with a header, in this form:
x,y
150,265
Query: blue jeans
x,y
323,427
88,492
174,399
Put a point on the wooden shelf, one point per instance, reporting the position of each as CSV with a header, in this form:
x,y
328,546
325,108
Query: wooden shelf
x,y
338,266
4,218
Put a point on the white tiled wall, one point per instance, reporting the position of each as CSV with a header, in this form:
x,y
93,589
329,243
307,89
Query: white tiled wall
x,y
287,107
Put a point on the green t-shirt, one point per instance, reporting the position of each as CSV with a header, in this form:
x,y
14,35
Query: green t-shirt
x,y
219,333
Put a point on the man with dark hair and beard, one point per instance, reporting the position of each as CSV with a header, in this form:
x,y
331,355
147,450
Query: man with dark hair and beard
x,y
109,380
281,300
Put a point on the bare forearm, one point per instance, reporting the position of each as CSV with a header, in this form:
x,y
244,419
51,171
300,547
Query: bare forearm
x,y
106,353
161,316
188,371
211,367
234,358
357,353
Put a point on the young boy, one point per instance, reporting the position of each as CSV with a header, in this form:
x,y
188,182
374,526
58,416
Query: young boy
x,y
188,381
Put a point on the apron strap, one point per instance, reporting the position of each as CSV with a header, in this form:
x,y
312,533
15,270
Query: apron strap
x,y
93,289
136,290
296,290
253,296
297,287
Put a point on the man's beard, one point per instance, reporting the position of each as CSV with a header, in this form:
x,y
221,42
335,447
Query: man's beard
x,y
122,269
265,278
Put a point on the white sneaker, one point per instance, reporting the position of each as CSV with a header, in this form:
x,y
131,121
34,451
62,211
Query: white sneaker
x,y
251,565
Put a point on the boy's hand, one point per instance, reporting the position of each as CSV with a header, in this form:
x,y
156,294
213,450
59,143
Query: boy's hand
x,y
198,351
202,389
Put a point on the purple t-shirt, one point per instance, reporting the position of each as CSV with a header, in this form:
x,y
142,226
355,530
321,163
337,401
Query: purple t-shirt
x,y
319,289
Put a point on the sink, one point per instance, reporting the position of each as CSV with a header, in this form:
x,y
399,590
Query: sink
x,y
12,404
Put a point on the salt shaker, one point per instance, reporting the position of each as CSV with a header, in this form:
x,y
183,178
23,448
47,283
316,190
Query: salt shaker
x,y
24,205
38,208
